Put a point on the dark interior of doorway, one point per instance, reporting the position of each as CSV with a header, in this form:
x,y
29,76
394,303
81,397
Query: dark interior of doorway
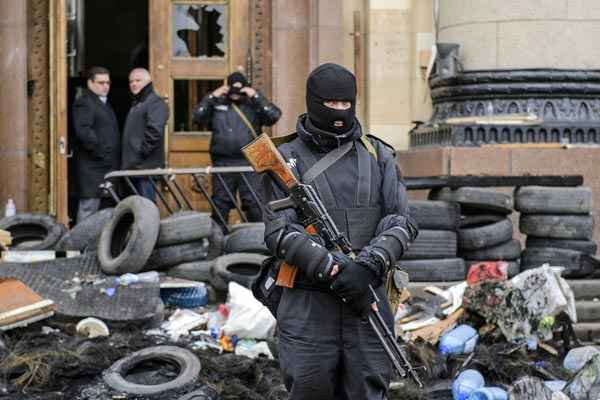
x,y
113,34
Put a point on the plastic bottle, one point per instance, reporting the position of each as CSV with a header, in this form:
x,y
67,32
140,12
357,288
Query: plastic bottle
x,y
128,278
461,340
466,383
10,208
555,386
216,321
489,393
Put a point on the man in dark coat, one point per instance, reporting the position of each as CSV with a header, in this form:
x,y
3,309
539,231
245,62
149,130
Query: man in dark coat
x,y
144,132
97,142
328,350
237,113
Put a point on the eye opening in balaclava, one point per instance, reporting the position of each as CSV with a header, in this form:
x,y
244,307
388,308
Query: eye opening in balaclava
x,y
236,77
331,82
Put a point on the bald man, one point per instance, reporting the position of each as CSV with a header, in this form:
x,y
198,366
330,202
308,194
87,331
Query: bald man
x,y
143,135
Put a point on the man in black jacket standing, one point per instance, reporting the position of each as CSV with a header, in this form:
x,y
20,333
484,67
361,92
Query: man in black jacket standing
x,y
328,350
237,113
144,132
97,140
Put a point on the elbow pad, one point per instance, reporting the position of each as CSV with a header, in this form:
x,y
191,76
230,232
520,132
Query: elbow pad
x,y
391,245
299,250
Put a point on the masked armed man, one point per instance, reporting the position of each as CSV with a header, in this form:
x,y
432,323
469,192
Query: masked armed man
x,y
328,349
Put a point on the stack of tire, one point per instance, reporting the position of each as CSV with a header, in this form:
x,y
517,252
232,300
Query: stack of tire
x,y
559,227
33,231
433,255
485,230
244,251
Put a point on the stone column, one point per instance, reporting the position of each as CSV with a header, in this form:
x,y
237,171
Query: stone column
x,y
511,34
13,103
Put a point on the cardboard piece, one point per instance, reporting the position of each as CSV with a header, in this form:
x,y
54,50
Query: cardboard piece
x,y
20,306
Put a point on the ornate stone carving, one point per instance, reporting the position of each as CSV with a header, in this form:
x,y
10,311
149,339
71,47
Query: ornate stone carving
x,y
38,105
261,45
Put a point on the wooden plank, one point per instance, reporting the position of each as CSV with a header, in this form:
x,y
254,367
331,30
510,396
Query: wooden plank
x,y
193,68
190,142
432,333
19,303
454,181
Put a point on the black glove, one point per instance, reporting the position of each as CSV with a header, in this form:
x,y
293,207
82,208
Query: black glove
x,y
299,250
352,282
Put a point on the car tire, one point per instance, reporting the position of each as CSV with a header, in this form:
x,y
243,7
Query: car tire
x,y
476,200
557,226
216,241
247,240
183,227
205,393
127,240
169,256
244,225
242,268
507,251
33,231
467,221
432,244
189,367
584,246
576,264
84,236
553,200
435,215
486,235
194,271
440,270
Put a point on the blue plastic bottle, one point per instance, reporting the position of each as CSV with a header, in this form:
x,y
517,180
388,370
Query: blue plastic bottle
x,y
461,340
466,383
489,393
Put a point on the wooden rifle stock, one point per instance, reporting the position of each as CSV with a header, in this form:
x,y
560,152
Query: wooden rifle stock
x,y
264,157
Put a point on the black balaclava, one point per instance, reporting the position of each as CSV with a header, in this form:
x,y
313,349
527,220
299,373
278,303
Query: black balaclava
x,y
234,78
331,82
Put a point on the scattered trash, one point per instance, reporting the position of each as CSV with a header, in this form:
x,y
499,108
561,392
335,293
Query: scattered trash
x,y
555,386
248,318
27,256
488,271
529,388
461,340
466,383
181,322
253,349
187,297
216,320
586,384
489,393
21,306
129,278
91,328
578,357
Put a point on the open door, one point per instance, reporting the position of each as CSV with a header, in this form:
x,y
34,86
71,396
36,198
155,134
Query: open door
x,y
193,46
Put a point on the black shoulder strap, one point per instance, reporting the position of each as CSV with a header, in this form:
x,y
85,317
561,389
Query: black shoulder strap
x,y
327,161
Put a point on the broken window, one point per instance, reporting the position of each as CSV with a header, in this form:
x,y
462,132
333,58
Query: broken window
x,y
199,30
187,95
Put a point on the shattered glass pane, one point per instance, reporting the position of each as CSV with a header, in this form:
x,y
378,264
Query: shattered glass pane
x,y
199,31
187,95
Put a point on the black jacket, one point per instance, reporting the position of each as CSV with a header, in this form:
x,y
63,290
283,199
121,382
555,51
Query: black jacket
x,y
143,135
229,132
387,191
97,142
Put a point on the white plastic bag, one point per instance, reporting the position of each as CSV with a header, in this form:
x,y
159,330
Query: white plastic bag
x,y
248,318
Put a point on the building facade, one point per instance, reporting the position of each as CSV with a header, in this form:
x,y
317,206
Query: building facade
x,y
190,47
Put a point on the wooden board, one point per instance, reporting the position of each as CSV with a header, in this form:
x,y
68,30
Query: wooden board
x,y
19,304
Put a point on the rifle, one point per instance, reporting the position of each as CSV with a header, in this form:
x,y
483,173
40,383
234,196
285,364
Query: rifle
x,y
264,157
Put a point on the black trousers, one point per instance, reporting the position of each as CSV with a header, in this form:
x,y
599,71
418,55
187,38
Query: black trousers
x,y
236,185
327,352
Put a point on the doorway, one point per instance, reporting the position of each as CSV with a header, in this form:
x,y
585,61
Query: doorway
x,y
108,33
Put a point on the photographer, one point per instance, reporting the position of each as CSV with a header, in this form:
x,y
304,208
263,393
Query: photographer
x,y
236,113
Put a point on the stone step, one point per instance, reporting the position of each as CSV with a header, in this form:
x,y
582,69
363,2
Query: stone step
x,y
588,331
588,310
